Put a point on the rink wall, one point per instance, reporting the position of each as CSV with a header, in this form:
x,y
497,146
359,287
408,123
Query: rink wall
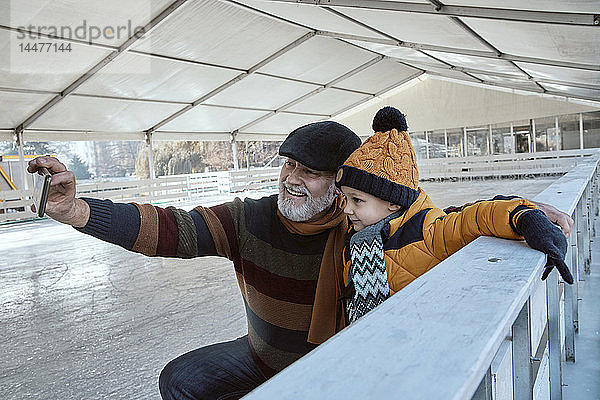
x,y
481,325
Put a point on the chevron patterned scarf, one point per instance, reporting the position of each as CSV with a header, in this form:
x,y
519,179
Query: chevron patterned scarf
x,y
367,271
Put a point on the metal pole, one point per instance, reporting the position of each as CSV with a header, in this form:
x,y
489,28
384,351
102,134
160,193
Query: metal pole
x,y
594,211
556,130
150,156
580,131
579,229
19,141
571,298
594,204
426,144
446,141
235,157
588,227
491,142
466,143
533,134
584,244
247,157
575,267
554,350
513,144
521,355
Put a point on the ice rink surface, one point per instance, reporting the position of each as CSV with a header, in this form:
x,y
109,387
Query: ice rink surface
x,y
83,319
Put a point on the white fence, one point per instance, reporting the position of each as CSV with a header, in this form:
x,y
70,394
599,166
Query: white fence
x,y
480,325
14,205
503,165
167,188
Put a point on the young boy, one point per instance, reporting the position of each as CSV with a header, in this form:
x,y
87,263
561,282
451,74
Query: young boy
x,y
397,234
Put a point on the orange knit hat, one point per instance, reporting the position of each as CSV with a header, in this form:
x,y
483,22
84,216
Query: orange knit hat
x,y
385,165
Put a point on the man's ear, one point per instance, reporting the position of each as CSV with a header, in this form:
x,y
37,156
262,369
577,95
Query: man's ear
x,y
394,207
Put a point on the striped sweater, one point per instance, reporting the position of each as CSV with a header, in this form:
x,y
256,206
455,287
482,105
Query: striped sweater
x,y
276,270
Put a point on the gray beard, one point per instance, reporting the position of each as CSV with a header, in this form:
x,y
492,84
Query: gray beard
x,y
311,207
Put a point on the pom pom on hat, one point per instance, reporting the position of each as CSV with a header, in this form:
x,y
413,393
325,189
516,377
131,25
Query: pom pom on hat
x,y
389,118
385,165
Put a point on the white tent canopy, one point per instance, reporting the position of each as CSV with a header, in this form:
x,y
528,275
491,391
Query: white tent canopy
x,y
440,103
256,69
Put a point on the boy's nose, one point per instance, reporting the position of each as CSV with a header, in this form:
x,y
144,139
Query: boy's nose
x,y
347,209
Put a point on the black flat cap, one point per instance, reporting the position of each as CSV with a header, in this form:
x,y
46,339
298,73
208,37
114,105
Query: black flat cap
x,y
323,146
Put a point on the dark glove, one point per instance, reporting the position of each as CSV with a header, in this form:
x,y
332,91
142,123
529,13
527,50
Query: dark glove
x,y
543,235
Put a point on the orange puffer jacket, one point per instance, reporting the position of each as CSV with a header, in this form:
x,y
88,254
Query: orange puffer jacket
x,y
423,236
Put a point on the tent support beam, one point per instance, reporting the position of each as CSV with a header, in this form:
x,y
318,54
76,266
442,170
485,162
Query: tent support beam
x,y
481,40
533,135
493,53
556,131
19,142
93,96
344,36
150,156
107,60
465,52
501,14
234,151
510,76
581,145
516,87
387,89
314,92
384,38
446,141
238,78
513,148
490,141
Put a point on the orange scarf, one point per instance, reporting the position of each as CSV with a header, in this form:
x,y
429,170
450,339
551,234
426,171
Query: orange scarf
x,y
327,313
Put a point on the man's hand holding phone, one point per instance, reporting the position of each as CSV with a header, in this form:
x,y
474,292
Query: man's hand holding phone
x,y
61,203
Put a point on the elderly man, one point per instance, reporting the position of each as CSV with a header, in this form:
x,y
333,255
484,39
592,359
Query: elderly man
x,y
285,248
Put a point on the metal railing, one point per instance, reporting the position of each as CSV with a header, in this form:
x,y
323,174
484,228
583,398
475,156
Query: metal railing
x,y
480,325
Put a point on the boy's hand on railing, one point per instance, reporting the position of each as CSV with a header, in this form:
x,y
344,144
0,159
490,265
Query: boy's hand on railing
x,y
543,235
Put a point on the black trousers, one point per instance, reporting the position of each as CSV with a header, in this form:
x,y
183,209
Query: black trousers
x,y
221,371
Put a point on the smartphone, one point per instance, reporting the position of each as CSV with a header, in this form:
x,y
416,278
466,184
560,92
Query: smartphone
x,y
40,190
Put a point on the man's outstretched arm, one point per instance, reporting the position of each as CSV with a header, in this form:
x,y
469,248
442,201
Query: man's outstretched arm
x,y
145,229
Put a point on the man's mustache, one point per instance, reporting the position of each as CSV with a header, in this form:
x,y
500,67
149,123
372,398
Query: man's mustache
x,y
296,188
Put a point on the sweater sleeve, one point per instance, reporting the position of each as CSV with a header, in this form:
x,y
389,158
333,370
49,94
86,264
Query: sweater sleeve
x,y
444,234
150,230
